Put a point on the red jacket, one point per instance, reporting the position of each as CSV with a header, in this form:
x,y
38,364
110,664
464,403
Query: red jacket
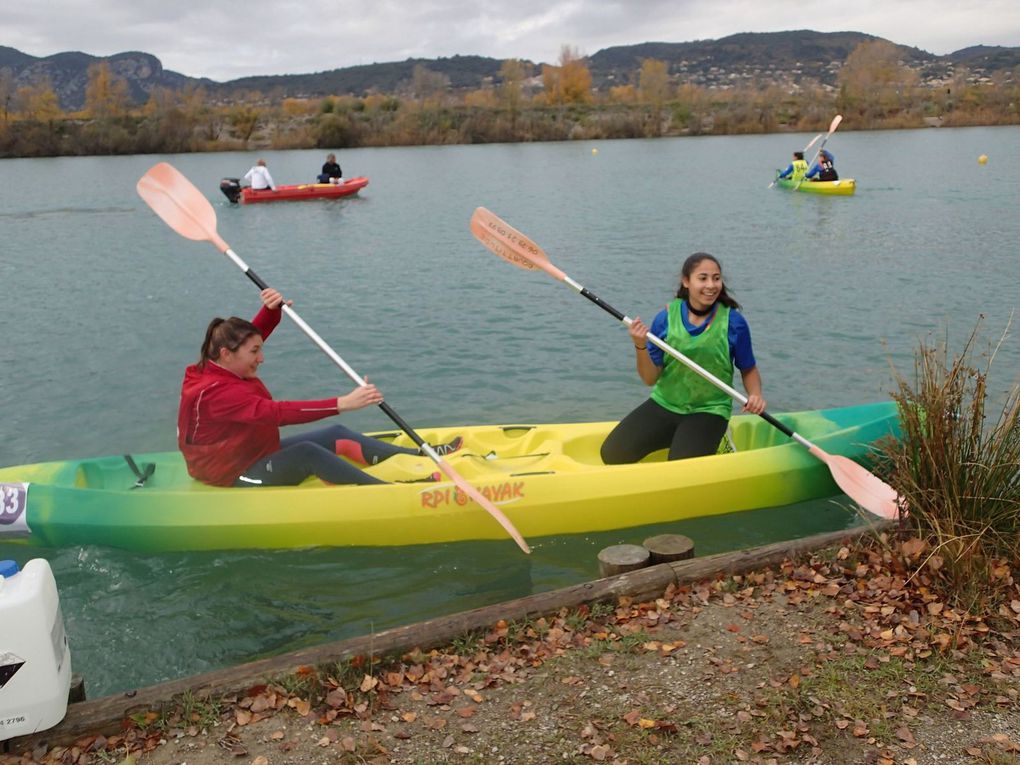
x,y
226,423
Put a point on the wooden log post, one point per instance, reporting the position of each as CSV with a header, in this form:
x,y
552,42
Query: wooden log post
x,y
619,559
666,548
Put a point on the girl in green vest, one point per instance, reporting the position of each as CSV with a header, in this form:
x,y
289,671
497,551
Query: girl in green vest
x,y
686,413
796,169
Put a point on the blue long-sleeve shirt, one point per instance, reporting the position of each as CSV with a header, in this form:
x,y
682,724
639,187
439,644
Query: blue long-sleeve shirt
x,y
739,337
816,168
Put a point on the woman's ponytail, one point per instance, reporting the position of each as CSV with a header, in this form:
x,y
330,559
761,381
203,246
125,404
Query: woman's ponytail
x,y
225,333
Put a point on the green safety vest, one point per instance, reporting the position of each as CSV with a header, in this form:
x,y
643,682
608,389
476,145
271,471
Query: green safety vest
x,y
800,169
680,389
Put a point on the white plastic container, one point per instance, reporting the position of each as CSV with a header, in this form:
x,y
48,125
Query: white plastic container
x,y
35,661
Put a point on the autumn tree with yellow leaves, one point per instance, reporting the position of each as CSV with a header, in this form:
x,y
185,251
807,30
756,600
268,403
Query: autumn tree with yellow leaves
x,y
38,102
653,89
568,83
106,96
875,83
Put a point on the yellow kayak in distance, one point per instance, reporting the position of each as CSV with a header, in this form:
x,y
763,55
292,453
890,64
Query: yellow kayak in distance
x,y
548,479
844,187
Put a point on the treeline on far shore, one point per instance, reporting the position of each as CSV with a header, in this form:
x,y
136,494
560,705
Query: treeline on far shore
x,y
873,91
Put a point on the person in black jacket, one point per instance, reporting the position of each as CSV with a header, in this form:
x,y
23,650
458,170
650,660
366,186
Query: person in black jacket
x,y
824,168
331,172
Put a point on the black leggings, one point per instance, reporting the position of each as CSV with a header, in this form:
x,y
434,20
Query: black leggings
x,y
650,427
314,453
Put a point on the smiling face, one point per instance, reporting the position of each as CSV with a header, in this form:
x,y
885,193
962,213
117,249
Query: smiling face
x,y
245,361
704,284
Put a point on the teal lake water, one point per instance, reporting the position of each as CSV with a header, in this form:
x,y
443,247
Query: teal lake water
x,y
104,305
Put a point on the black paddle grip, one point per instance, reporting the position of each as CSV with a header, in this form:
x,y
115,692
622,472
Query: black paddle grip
x,y
776,423
399,421
601,303
256,278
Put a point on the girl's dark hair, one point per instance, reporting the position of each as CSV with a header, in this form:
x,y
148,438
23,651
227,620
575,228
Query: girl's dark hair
x,y
692,262
225,333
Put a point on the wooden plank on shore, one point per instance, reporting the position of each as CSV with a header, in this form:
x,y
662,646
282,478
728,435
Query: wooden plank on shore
x,y
104,715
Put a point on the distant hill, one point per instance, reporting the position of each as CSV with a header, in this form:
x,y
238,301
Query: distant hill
x,y
786,59
778,50
992,57
463,73
68,73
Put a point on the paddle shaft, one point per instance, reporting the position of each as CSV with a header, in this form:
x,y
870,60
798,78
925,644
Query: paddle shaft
x,y
694,367
832,129
325,348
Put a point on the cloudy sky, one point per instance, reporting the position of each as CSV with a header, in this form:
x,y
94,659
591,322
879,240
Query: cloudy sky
x,y
226,39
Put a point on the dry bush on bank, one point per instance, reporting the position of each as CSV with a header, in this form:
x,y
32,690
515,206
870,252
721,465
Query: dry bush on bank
x,y
959,469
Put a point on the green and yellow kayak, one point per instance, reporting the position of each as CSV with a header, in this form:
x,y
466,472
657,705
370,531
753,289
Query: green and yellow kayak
x,y
843,187
548,479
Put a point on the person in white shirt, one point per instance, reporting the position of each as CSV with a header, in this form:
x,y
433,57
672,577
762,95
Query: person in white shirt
x,y
259,177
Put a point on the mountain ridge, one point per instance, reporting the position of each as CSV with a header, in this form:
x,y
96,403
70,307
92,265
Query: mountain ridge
x,y
788,59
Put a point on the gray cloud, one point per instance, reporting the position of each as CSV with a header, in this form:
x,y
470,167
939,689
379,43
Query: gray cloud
x,y
226,40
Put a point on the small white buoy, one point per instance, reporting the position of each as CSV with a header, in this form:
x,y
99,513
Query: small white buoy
x,y
594,151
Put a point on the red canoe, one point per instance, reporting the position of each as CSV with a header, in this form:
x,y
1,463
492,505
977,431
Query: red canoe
x,y
231,187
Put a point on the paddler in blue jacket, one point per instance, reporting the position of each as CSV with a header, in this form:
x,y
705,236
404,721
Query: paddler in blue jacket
x,y
824,168
795,170
685,413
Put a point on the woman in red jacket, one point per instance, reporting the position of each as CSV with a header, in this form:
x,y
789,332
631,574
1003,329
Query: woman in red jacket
x,y
228,426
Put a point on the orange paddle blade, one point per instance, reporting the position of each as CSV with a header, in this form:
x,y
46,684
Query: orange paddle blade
x,y
504,240
862,486
480,499
181,206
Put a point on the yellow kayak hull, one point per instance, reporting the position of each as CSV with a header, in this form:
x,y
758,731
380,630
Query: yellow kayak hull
x,y
844,187
548,479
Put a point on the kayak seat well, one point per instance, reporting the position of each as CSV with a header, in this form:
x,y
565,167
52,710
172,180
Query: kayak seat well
x,y
115,473
106,473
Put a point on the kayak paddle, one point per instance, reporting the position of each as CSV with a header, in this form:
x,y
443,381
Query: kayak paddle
x,y
832,129
186,210
866,489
